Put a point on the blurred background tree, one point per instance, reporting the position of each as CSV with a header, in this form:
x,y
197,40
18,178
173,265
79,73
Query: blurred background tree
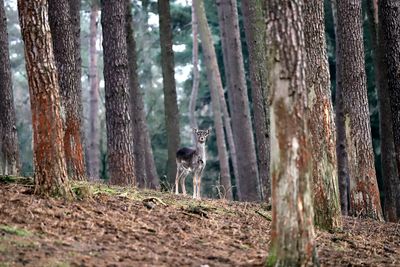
x,y
146,29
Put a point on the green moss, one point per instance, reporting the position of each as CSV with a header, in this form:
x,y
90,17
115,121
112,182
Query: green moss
x,y
272,256
9,179
271,260
14,231
82,190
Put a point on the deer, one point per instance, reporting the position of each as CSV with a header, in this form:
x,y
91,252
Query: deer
x,y
189,160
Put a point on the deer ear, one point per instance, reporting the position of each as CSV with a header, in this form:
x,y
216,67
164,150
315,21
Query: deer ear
x,y
208,131
195,130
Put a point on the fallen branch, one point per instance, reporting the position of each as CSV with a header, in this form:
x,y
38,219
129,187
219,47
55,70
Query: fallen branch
x,y
151,202
266,216
199,210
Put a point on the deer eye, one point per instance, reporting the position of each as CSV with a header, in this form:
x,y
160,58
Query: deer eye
x,y
198,134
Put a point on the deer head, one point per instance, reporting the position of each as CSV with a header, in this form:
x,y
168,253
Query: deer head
x,y
201,135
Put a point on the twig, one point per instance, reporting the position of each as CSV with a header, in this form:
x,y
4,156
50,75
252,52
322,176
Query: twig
x,y
266,216
154,200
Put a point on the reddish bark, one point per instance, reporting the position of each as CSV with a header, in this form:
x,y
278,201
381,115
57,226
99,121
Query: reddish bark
x,y
48,145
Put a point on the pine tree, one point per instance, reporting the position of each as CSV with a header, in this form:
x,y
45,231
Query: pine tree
x,y
320,120
9,154
363,187
116,75
292,242
49,155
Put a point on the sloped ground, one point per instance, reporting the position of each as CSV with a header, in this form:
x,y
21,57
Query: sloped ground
x,y
120,227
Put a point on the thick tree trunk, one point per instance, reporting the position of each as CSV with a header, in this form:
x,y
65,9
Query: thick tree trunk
x,y
214,80
292,242
320,120
341,152
196,76
94,134
240,112
254,14
64,53
388,74
116,75
48,146
363,187
9,155
170,98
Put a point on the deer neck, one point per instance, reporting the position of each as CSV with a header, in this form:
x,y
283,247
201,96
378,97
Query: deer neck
x,y
201,150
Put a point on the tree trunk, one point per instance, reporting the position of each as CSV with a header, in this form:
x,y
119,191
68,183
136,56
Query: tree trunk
x,y
116,75
170,98
75,8
224,106
153,181
196,76
94,135
137,107
389,92
48,146
292,232
64,53
145,167
229,135
341,152
240,112
254,14
320,120
9,154
363,187
214,80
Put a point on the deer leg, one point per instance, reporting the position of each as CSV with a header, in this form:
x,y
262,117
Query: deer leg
x,y
179,173
199,183
194,185
183,179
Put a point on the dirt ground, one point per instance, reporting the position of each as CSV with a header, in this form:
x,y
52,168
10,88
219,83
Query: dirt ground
x,y
120,227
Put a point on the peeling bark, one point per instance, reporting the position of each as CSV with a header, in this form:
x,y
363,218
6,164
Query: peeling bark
x,y
320,120
363,188
48,145
292,232
70,90
9,154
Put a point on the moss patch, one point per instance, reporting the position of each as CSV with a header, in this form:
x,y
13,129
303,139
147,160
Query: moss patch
x,y
14,230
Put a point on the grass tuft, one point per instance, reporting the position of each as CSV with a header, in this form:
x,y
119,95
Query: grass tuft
x,y
15,231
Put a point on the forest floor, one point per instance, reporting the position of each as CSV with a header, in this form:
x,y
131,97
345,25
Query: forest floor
x,y
114,226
